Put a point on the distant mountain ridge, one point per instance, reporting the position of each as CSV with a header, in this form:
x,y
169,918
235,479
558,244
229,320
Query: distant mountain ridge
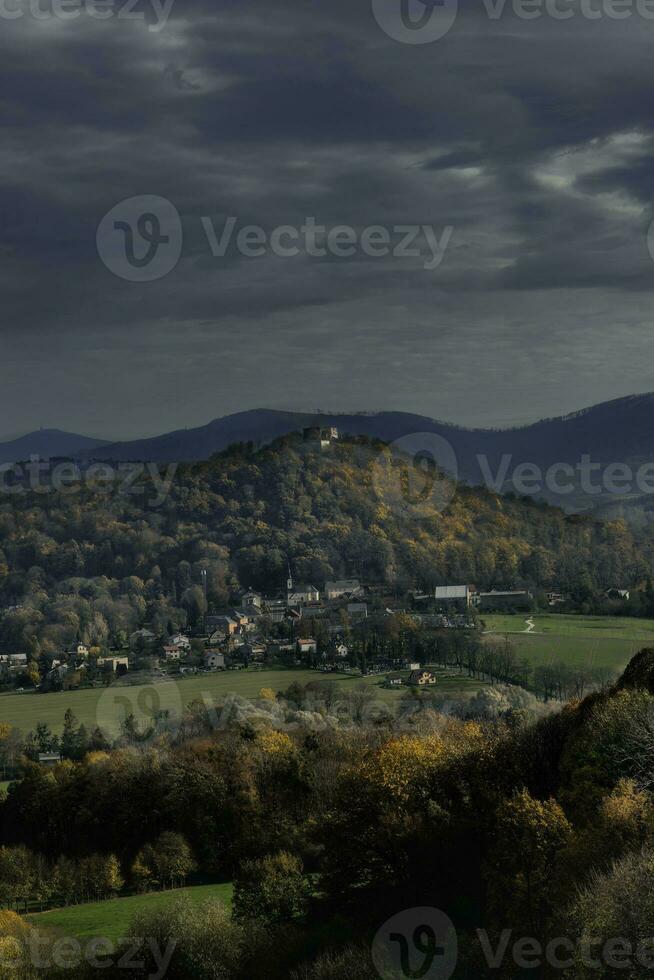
x,y
47,444
611,431
619,431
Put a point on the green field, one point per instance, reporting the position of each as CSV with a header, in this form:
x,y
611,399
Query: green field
x,y
111,919
103,707
592,641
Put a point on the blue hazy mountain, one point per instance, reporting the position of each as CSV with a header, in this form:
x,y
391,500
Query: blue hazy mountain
x,y
47,444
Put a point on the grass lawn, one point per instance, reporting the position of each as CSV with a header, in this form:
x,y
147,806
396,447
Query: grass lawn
x,y
593,641
111,919
102,706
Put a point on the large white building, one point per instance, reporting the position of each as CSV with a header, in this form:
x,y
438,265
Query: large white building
x,y
453,593
346,586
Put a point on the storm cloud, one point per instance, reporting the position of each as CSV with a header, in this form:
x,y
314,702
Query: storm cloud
x,y
532,138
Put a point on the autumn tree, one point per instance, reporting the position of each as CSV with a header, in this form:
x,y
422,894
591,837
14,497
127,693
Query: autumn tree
x,y
521,872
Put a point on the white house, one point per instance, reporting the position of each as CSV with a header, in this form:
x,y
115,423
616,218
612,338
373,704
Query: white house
x,y
115,664
618,594
251,602
461,594
307,646
342,587
298,594
180,640
213,660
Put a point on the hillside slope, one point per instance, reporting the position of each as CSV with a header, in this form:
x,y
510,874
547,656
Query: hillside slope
x,y
246,514
620,431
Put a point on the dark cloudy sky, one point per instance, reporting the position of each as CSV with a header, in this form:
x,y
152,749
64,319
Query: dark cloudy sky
x,y
532,138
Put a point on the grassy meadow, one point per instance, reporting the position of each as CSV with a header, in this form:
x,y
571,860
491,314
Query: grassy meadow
x,y
111,919
591,641
103,706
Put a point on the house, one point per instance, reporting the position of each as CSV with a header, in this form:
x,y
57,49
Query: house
x,y
624,594
180,640
307,646
214,660
459,595
394,680
14,659
253,651
174,653
322,436
58,673
296,595
421,678
341,651
357,610
213,622
222,626
252,602
554,598
79,650
117,665
343,587
142,638
49,759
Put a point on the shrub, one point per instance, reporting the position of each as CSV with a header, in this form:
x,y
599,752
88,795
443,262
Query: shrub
x,y
272,889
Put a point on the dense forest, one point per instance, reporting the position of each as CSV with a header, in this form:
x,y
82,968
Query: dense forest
x,y
536,828
95,564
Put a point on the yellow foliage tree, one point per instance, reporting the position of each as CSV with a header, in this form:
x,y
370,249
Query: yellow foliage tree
x,y
402,767
274,743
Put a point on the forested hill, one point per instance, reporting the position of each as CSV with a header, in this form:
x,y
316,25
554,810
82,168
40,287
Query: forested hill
x,y
93,563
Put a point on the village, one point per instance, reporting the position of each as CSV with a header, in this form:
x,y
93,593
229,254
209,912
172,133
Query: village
x,y
344,627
